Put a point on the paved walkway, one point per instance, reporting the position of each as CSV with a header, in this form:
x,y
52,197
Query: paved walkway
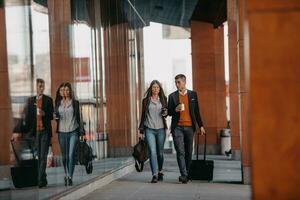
x,y
55,178
225,184
137,186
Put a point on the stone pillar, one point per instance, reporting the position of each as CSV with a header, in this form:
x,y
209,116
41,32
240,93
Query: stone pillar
x,y
122,78
209,79
117,82
272,66
60,56
5,101
238,87
5,107
234,78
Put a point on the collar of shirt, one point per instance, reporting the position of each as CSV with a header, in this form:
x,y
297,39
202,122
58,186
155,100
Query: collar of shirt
x,y
152,100
66,103
183,93
39,97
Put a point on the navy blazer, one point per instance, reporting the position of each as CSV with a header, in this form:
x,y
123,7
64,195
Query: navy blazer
x,y
173,102
28,124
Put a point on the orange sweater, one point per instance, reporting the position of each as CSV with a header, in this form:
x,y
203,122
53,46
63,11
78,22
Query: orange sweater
x,y
39,122
185,117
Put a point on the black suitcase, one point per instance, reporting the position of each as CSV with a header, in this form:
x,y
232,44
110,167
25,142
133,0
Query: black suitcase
x,y
201,169
25,173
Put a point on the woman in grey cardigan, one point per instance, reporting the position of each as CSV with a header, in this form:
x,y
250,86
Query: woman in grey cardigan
x,y
153,125
69,127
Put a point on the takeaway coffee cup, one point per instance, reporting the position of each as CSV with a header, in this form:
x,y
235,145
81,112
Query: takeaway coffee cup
x,y
182,107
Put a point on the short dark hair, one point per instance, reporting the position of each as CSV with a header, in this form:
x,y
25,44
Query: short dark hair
x,y
182,76
39,80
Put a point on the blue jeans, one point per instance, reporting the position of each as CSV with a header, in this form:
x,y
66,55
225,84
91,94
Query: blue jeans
x,y
68,142
156,140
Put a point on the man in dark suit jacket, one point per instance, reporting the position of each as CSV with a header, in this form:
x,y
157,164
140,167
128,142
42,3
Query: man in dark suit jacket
x,y
183,106
36,124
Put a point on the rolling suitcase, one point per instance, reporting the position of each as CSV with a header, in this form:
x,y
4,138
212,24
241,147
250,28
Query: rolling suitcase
x,y
201,169
25,173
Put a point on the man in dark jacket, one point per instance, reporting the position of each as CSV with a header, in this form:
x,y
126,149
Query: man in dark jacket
x,y
36,124
183,106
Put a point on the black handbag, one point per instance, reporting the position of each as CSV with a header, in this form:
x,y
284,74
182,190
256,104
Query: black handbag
x,y
201,169
140,154
84,155
25,173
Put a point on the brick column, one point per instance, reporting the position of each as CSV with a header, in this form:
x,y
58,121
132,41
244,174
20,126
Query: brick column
x,y
60,56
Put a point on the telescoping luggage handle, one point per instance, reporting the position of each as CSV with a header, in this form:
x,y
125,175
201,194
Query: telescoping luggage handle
x,y
198,146
14,150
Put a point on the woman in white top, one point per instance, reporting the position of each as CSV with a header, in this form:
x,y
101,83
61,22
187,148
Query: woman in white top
x,y
153,125
69,127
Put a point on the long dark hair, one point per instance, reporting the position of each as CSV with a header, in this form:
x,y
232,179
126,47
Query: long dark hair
x,y
58,98
68,85
161,93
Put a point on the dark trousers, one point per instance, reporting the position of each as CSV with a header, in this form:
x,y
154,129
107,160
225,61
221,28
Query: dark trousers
x,y
42,145
183,142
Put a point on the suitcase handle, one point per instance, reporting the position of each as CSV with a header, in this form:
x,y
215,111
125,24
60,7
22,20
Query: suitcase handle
x,y
198,146
14,150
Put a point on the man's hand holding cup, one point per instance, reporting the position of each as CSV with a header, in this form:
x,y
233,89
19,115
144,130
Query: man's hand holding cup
x,y
180,108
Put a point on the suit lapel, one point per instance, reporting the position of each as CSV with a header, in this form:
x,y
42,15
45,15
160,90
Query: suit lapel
x,y
189,99
176,98
43,103
189,93
34,105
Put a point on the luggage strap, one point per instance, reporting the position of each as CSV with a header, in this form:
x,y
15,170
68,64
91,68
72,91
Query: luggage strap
x,y
139,166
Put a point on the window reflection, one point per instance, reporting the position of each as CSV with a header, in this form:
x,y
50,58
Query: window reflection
x,y
84,71
28,54
41,48
28,46
19,55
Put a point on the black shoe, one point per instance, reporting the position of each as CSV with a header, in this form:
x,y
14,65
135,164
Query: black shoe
x,y
183,179
160,176
154,179
43,184
70,182
66,181
228,153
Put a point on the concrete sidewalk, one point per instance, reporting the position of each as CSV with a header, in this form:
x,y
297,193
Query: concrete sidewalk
x,y
55,178
137,186
102,184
